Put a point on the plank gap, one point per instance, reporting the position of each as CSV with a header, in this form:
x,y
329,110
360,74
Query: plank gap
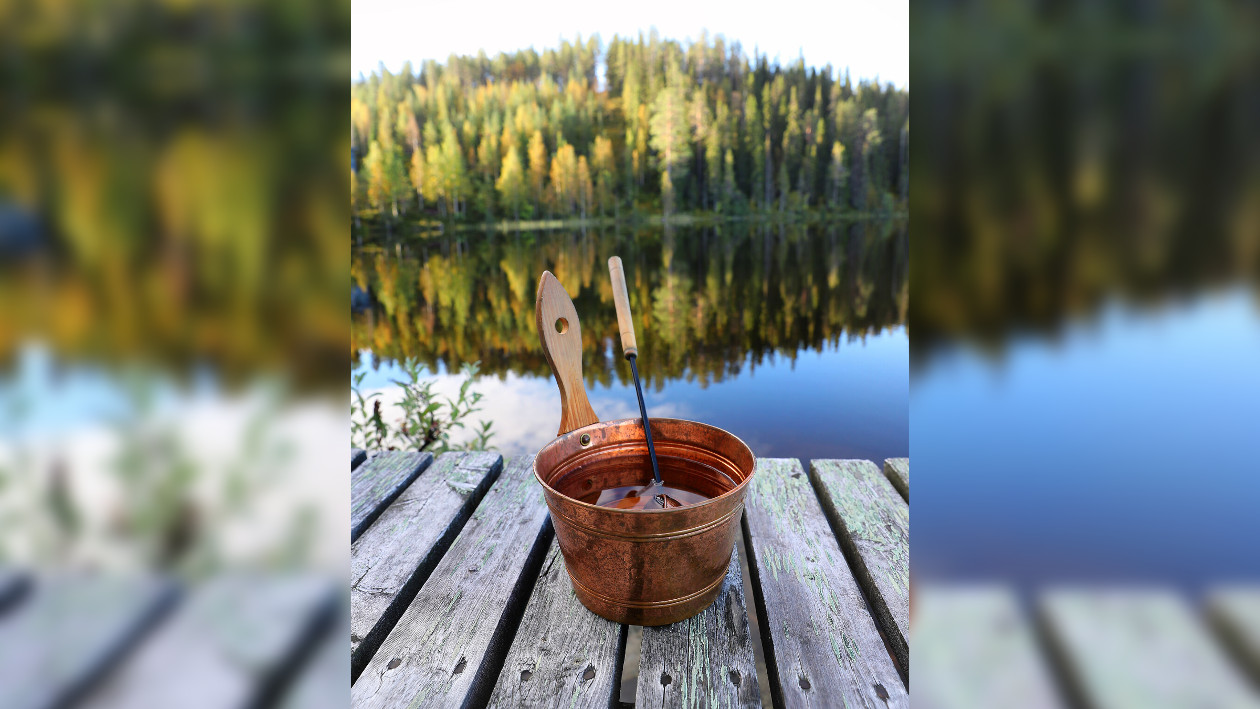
x,y
376,483
1233,614
319,629
14,588
509,621
73,631
822,643
759,607
561,649
838,484
384,542
469,608
854,566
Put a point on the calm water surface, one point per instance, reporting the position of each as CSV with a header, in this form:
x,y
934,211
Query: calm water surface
x,y
793,338
1126,449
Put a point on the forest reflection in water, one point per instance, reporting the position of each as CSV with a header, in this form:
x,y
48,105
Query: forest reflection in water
x,y
715,308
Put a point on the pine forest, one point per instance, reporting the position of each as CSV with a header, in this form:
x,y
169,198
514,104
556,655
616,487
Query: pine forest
x,y
637,126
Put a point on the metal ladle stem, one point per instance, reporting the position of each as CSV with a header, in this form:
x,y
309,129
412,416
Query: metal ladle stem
x,y
647,430
621,298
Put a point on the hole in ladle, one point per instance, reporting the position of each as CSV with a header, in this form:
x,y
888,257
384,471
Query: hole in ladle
x,y
562,325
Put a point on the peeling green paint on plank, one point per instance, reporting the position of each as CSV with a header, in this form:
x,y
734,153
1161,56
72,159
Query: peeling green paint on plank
x,y
395,556
783,518
558,644
897,470
449,644
872,524
378,482
709,656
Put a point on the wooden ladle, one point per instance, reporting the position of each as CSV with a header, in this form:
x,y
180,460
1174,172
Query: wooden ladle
x,y
561,336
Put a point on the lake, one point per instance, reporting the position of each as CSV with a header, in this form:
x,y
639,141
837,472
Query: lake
x,y
792,337
1121,448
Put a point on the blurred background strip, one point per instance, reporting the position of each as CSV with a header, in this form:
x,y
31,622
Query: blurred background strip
x,y
73,630
172,350
1085,193
1235,614
1138,647
973,647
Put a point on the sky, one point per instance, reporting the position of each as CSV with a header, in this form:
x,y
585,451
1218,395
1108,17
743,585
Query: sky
x,y
870,37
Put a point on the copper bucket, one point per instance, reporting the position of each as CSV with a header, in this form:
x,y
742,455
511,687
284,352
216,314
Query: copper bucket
x,y
642,567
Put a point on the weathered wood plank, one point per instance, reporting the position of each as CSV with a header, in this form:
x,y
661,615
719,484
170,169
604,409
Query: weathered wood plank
x,y
376,483
704,661
394,558
822,645
357,456
449,645
562,652
1235,611
898,472
1139,648
973,649
872,523
71,631
224,646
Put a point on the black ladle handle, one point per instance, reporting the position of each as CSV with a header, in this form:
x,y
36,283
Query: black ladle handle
x,y
621,297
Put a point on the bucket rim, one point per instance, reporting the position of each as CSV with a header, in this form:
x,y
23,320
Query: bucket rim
x,y
577,433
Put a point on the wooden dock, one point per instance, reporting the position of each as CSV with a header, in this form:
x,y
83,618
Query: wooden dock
x,y
101,641
459,595
978,646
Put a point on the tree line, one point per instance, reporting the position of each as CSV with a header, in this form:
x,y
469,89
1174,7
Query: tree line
x,y
664,127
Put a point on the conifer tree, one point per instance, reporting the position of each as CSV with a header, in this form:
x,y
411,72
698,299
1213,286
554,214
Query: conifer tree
x,y
564,180
538,165
454,171
605,168
728,182
755,131
837,175
585,190
511,185
356,198
434,188
671,131
385,178
416,173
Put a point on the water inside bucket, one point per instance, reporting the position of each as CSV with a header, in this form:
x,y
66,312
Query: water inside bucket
x,y
645,497
625,482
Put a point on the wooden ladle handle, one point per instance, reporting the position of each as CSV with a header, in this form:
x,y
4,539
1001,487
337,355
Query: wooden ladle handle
x,y
621,298
561,336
